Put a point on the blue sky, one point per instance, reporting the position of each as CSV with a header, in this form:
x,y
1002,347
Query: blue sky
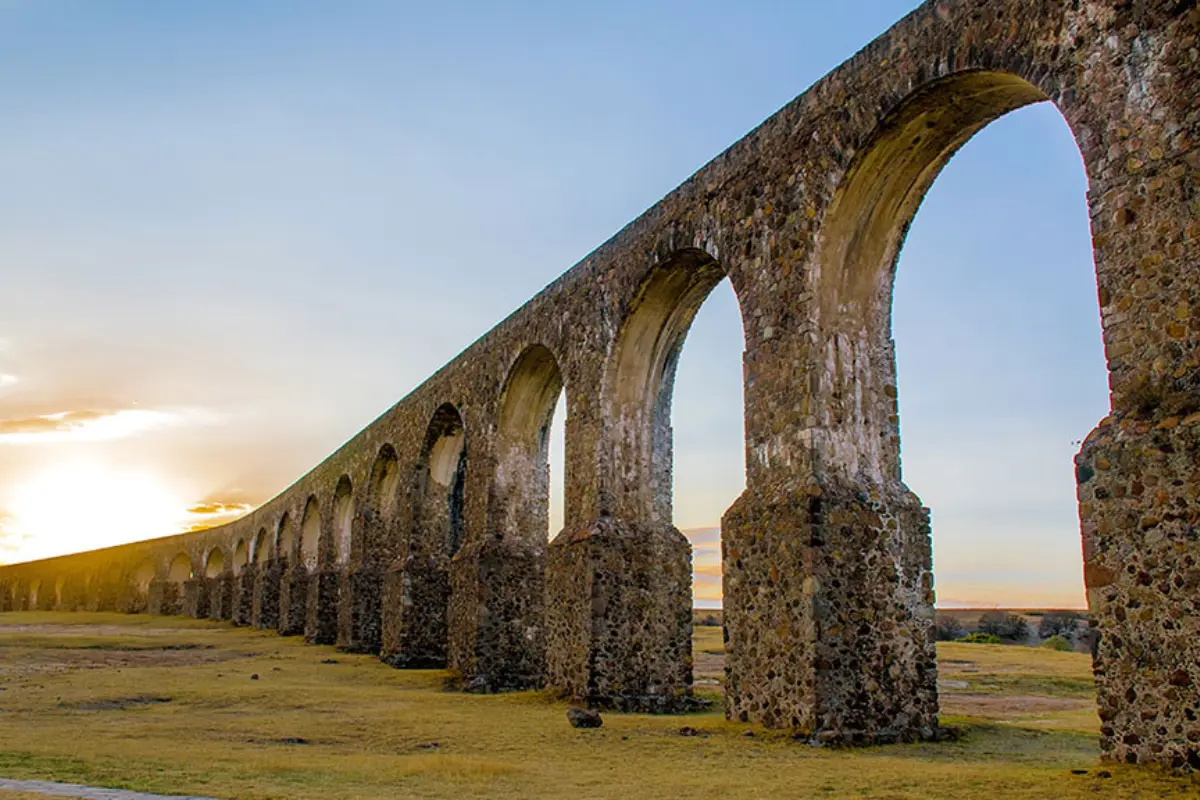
x,y
249,227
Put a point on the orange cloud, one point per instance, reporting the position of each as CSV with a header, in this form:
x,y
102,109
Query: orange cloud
x,y
211,513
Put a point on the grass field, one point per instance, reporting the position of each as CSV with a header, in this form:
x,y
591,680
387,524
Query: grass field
x,y
172,705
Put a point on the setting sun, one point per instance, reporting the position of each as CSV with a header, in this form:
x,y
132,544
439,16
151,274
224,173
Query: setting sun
x,y
81,506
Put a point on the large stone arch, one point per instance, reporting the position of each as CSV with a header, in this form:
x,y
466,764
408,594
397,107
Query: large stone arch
x,y
377,530
289,600
418,595
264,604
319,531
293,590
343,520
840,647
498,582
217,583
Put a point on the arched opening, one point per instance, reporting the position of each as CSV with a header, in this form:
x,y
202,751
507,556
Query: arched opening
x,y
241,556
181,569
384,483
855,425
59,587
647,359
859,244
214,563
521,489
1000,365
285,539
639,392
310,535
343,519
34,589
143,575
441,477
262,547
418,634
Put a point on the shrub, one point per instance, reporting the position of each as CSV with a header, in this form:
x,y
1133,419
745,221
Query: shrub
x,y
1059,623
1005,626
981,638
1059,643
948,629
709,621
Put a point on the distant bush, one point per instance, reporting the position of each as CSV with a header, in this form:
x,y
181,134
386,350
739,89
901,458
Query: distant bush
x,y
709,621
948,629
1005,626
1059,623
981,638
1059,643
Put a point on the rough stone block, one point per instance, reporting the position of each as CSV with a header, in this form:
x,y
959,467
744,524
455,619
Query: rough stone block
x,y
619,617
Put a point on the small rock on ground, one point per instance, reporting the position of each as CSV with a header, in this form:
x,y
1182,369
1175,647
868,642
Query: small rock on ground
x,y
584,718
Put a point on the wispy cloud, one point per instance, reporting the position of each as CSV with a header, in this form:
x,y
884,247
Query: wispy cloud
x,y
7,380
96,426
212,513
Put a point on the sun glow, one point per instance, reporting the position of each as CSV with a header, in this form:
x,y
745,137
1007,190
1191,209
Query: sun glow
x,y
82,506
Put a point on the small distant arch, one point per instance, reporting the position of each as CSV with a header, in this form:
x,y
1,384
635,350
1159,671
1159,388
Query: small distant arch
x,y
384,482
310,534
241,556
285,538
59,586
34,588
343,519
143,575
181,569
214,563
441,479
261,548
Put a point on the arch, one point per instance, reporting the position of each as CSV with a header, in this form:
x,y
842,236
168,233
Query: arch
x,y
214,563
384,482
441,478
262,547
285,538
143,574
343,519
35,587
180,569
310,534
859,245
60,586
241,556
642,380
521,487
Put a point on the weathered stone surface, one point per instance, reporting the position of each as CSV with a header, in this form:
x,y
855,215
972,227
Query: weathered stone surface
x,y
360,605
828,588
264,609
584,717
320,625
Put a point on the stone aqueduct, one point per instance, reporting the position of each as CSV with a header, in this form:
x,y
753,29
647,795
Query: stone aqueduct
x,y
423,538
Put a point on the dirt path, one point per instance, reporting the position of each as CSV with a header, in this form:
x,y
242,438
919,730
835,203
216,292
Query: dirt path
x,y
86,792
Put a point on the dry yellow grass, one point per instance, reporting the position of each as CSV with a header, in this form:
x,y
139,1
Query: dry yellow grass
x,y
108,703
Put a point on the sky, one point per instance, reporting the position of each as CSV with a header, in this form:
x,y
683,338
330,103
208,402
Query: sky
x,y
233,233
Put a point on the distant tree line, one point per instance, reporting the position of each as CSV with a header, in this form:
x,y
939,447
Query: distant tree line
x,y
1009,627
